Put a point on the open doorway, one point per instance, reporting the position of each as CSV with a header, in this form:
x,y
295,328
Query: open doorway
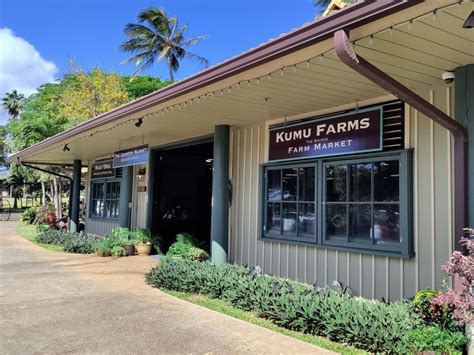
x,y
182,193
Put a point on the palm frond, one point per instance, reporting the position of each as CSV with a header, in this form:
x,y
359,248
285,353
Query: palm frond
x,y
192,41
201,60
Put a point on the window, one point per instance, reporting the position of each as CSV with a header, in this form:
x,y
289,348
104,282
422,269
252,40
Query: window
x,y
105,199
361,203
291,202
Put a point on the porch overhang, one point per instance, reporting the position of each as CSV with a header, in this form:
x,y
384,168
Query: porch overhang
x,y
294,76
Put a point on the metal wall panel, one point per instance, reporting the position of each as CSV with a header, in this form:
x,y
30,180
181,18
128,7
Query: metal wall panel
x,y
369,276
100,227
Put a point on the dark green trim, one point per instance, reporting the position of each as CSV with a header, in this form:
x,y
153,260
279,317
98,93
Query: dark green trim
x,y
220,196
404,249
126,185
103,182
464,114
75,196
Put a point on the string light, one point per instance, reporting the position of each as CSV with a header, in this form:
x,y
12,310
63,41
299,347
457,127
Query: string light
x,y
410,24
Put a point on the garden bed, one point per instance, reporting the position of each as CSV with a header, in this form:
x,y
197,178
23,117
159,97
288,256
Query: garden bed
x,y
364,324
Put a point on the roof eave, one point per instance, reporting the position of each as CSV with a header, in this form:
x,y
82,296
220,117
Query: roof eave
x,y
354,16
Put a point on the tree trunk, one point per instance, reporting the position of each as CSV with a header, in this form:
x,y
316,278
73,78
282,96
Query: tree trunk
x,y
43,193
57,205
170,70
11,191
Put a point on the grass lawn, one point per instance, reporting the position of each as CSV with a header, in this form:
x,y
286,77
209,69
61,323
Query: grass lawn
x,y
29,233
226,308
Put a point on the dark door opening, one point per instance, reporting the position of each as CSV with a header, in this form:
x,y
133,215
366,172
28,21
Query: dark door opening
x,y
183,193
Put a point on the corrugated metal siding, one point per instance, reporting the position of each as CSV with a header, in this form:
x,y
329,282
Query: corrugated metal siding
x,y
100,227
369,276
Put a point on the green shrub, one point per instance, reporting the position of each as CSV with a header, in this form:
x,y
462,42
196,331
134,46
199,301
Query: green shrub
x,y
431,338
117,251
370,325
187,247
43,213
71,242
79,244
29,215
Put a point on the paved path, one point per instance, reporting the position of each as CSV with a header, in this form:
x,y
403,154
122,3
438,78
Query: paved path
x,y
54,302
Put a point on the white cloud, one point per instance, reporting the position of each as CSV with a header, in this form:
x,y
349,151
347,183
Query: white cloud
x,y
21,66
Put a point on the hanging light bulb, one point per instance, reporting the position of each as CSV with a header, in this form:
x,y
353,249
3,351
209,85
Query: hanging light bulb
x,y
281,72
371,40
391,30
222,92
294,68
269,77
410,25
434,15
321,58
307,64
248,83
258,81
229,90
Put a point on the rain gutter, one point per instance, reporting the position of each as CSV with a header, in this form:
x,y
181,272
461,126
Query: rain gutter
x,y
347,55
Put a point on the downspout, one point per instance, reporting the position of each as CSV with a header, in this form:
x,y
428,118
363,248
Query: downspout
x,y
347,55
56,174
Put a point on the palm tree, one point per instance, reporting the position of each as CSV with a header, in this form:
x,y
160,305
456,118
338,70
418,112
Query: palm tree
x,y
158,37
13,103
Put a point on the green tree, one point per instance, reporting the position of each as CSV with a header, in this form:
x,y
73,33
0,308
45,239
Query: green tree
x,y
3,146
156,37
143,85
13,103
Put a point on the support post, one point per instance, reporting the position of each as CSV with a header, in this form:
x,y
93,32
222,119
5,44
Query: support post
x,y
464,114
74,197
220,196
125,196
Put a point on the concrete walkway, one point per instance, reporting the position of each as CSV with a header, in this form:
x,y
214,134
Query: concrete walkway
x,y
65,303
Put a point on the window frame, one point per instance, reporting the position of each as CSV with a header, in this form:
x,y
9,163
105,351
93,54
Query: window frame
x,y
402,250
266,201
103,182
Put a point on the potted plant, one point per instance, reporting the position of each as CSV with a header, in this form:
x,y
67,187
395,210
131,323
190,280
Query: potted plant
x,y
117,251
129,245
197,254
144,242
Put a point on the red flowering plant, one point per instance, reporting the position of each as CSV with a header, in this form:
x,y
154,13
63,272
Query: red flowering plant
x,y
461,300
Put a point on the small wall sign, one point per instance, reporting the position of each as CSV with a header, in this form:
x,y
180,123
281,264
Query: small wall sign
x,y
131,156
349,133
102,169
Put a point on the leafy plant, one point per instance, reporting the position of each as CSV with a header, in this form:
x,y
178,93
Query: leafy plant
x,y
182,246
196,253
117,251
29,215
79,244
370,325
143,236
461,301
434,314
431,338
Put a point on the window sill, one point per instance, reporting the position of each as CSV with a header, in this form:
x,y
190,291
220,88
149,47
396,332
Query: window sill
x,y
339,248
103,219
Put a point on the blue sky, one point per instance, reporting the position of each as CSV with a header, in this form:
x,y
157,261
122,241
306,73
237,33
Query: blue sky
x,y
90,31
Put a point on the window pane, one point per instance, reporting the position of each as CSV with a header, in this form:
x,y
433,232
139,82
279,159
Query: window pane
x,y
274,185
274,217
360,223
289,184
306,181
336,183
336,221
360,181
289,218
386,181
386,224
306,218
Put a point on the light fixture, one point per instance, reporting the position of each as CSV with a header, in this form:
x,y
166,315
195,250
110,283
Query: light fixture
x,y
139,122
469,21
66,148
